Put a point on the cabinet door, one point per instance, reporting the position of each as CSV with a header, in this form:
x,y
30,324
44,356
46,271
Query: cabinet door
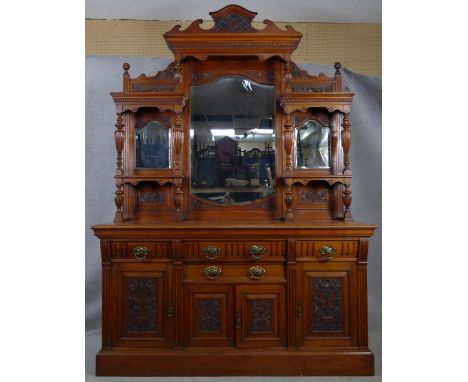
x,y
142,306
260,315
209,315
329,312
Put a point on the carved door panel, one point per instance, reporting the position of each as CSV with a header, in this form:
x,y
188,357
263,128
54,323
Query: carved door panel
x,y
329,312
260,316
209,315
142,305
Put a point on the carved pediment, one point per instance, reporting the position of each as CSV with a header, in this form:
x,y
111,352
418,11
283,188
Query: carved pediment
x,y
232,35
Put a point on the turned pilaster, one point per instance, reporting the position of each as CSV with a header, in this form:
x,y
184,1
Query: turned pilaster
x,y
346,142
177,70
347,201
178,200
288,200
288,141
119,136
119,199
178,141
287,75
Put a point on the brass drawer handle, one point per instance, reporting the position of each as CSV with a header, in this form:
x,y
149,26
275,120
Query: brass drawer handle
x,y
212,272
256,272
141,252
257,251
211,252
327,253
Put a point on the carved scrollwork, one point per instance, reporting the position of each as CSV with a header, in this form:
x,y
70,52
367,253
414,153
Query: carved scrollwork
x,y
233,22
312,197
151,197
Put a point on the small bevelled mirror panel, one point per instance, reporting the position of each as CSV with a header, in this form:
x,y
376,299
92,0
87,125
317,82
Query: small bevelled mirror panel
x,y
152,146
312,146
233,141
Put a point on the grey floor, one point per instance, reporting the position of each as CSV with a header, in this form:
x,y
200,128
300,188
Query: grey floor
x,y
93,344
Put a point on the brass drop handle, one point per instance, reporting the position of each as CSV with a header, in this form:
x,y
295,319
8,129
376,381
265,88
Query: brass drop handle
x,y
212,272
256,272
140,252
211,252
257,251
327,253
238,321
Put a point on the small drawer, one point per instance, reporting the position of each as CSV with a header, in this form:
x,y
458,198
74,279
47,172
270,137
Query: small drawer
x,y
327,250
252,249
138,250
234,272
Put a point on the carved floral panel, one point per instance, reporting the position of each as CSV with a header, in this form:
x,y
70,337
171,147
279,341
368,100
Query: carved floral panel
x,y
141,304
261,315
209,315
327,304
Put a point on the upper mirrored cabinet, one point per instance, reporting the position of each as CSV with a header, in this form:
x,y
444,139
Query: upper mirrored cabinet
x,y
152,143
233,141
312,145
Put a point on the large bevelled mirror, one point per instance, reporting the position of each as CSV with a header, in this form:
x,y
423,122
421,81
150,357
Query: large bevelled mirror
x,y
312,146
233,141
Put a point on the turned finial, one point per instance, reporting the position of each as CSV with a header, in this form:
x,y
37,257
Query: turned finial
x,y
126,67
337,66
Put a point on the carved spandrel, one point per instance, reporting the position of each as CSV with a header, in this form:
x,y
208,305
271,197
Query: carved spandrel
x,y
209,315
261,316
141,305
327,304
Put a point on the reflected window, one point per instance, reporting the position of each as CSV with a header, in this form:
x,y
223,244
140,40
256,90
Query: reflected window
x,y
312,146
152,143
233,141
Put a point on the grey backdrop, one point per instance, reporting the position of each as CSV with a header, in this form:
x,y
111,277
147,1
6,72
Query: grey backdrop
x,y
104,74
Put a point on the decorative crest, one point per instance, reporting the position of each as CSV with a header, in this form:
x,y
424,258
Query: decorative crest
x,y
233,18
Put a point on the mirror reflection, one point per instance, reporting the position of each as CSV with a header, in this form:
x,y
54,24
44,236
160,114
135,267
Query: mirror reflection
x,y
152,144
233,141
312,146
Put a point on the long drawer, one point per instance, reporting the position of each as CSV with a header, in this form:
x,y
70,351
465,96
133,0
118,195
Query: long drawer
x,y
249,249
234,272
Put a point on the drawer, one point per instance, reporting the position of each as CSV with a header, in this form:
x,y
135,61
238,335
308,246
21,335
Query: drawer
x,y
234,272
251,249
140,250
326,250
